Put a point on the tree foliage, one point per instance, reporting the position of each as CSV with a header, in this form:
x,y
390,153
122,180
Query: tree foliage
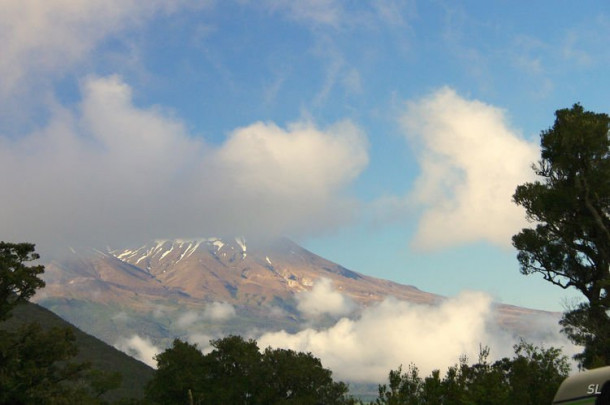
x,y
18,280
36,365
570,205
531,377
297,377
178,374
236,372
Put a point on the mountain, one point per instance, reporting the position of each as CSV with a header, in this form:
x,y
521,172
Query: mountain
x,y
211,287
102,356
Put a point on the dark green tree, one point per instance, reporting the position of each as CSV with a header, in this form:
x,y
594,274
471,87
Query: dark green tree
x,y
298,378
178,376
36,368
534,374
453,386
236,372
18,280
569,205
36,364
403,388
484,382
531,377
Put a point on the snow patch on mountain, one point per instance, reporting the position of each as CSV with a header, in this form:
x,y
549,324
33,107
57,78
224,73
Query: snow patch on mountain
x,y
217,243
167,252
242,244
192,247
179,250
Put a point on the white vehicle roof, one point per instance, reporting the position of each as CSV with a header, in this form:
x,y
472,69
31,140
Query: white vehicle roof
x,y
582,388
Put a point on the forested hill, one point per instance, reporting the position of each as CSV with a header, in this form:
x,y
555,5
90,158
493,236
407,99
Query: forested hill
x,y
102,356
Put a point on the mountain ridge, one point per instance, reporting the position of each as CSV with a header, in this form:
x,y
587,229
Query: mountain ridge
x,y
214,286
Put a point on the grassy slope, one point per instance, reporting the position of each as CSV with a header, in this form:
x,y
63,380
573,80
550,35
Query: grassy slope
x,y
102,356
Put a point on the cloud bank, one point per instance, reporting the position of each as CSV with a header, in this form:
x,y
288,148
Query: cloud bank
x,y
215,311
364,344
392,332
108,171
140,348
471,161
323,299
219,311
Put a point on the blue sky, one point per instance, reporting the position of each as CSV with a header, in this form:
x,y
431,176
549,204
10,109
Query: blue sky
x,y
387,136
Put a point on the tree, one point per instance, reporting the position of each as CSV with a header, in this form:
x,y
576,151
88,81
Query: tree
x,y
534,374
485,383
236,372
570,205
405,388
36,365
531,377
18,281
298,378
178,375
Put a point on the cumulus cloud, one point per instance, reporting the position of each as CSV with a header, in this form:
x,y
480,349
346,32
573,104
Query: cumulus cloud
x,y
215,311
202,341
323,299
267,164
394,332
187,319
379,338
219,311
471,161
110,172
140,348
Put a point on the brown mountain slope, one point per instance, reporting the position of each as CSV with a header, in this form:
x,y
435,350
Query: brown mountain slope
x,y
225,270
177,287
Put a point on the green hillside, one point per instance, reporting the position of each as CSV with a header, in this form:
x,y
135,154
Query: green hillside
x,y
102,356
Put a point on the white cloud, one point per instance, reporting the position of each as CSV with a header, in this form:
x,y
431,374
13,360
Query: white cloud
x,y
471,162
394,332
110,172
202,341
215,311
42,37
298,163
285,181
140,348
322,299
219,311
187,319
